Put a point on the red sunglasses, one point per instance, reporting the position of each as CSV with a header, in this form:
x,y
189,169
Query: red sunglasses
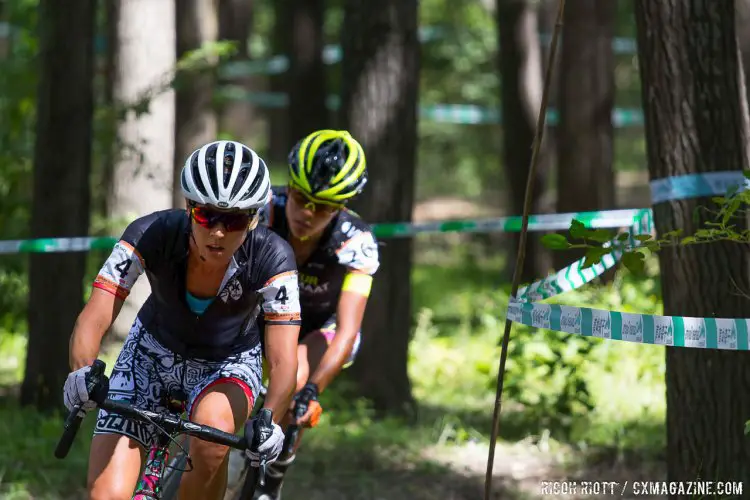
x,y
233,221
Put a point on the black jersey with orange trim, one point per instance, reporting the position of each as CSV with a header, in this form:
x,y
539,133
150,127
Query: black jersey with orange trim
x,y
347,244
262,276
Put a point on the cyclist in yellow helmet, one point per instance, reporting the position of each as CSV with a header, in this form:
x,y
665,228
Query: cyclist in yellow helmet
x,y
336,255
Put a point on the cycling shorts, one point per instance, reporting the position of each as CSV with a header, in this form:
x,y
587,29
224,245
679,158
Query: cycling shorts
x,y
145,371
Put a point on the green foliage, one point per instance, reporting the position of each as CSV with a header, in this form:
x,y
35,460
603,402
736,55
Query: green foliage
x,y
553,380
730,210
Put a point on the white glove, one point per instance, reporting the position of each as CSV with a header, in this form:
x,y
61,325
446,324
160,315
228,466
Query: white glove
x,y
270,438
75,391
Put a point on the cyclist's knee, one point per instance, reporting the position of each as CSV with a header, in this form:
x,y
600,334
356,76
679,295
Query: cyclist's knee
x,y
114,465
225,407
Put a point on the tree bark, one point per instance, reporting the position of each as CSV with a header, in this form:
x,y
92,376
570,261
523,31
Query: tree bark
x,y
195,120
62,164
143,177
379,95
237,117
585,178
307,77
696,121
521,97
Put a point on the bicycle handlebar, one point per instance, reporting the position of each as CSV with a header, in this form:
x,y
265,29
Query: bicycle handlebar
x,y
97,386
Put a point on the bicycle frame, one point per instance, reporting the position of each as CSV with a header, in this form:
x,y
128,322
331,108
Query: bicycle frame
x,y
170,422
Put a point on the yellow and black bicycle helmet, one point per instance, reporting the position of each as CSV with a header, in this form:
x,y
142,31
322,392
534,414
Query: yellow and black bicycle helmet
x,y
328,165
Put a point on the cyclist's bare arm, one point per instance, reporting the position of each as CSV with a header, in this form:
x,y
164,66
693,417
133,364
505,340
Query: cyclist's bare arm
x,y
281,354
110,289
281,311
95,319
349,314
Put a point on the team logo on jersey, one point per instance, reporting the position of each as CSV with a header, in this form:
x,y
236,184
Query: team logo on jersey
x,y
233,291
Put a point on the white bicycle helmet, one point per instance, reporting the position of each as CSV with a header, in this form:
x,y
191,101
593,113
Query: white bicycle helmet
x,y
227,175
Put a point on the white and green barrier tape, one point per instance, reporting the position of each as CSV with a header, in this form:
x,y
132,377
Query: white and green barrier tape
x,y
676,331
696,185
575,275
543,222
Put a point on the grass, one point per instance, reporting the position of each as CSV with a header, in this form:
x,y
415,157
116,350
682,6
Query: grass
x,y
575,399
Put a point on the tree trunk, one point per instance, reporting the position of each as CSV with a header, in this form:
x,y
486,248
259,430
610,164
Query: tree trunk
x,y
143,178
521,97
109,149
195,119
742,25
237,117
696,121
380,71
585,178
62,164
279,142
307,76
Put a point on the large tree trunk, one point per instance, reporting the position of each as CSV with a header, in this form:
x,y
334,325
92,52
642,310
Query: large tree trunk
x,y
521,97
235,24
143,178
195,119
279,142
379,95
62,164
742,24
696,121
585,178
307,77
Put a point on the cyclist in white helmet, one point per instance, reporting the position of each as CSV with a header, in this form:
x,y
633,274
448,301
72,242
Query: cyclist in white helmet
x,y
212,271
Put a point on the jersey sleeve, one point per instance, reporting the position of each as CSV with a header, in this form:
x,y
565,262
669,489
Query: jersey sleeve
x,y
128,258
280,289
360,253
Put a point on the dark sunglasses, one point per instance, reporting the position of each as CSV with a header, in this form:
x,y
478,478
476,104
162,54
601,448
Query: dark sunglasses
x,y
233,221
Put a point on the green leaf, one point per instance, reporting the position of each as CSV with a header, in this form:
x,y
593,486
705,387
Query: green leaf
x,y
623,237
577,229
600,235
643,237
705,233
635,262
746,173
555,241
688,240
747,424
671,234
719,200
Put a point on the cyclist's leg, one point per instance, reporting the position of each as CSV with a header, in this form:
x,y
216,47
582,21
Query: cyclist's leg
x,y
310,351
223,399
118,446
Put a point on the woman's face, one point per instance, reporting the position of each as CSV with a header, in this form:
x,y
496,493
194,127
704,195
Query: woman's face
x,y
305,217
218,234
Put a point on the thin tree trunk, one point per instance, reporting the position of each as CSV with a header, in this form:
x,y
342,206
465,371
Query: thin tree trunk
x,y
195,119
379,95
521,97
696,121
585,179
62,164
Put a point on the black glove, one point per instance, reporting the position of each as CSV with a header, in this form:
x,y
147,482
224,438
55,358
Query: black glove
x,y
267,438
307,410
